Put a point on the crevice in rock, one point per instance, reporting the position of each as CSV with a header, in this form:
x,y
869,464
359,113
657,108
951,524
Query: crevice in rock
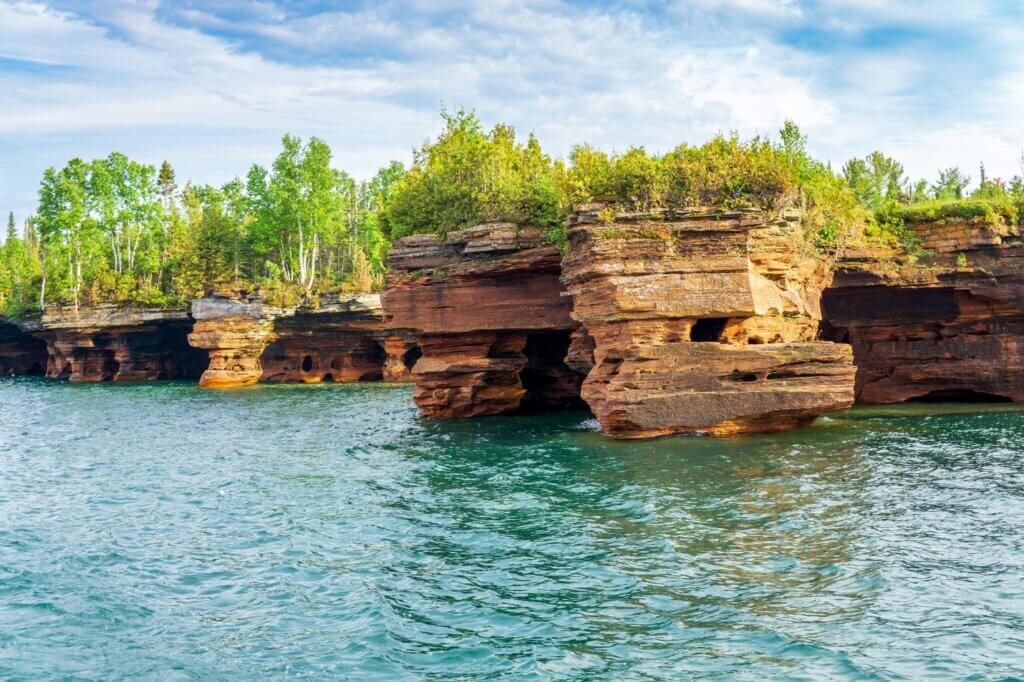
x,y
551,386
410,357
708,329
959,396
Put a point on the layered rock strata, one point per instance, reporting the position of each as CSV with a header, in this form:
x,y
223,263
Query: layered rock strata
x,y
493,323
234,331
342,340
20,352
702,320
119,343
950,329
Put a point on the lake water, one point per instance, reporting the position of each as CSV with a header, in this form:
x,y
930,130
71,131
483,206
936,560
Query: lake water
x,y
156,531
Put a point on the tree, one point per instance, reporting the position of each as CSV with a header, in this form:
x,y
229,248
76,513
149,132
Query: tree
x,y
165,180
875,179
951,184
295,207
12,229
467,176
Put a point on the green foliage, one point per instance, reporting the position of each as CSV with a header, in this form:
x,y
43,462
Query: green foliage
x,y
951,184
725,172
468,176
19,270
112,229
875,179
989,209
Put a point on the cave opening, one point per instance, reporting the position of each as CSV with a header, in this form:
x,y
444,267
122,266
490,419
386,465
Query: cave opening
x,y
708,329
551,386
329,378
20,352
180,360
411,356
307,363
110,367
377,354
960,396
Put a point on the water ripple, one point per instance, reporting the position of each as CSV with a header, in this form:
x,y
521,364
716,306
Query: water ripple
x,y
156,531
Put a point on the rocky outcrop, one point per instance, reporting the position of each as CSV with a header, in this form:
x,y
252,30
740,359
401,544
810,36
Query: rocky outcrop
x,y
952,329
119,343
341,340
20,352
701,320
235,332
493,323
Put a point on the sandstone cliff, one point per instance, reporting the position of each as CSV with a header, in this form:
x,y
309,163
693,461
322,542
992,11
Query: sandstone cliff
x,y
952,328
342,340
116,342
493,323
20,351
702,320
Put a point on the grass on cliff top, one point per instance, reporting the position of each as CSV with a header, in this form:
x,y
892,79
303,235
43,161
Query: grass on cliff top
x,y
991,210
468,176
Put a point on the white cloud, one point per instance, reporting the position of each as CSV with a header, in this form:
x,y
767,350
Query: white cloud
x,y
161,83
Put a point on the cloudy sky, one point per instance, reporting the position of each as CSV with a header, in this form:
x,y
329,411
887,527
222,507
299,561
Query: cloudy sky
x,y
211,85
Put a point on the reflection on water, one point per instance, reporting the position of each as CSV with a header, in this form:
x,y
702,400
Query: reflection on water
x,y
326,531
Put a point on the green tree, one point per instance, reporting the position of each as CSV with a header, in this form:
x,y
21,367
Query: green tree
x,y
165,180
467,176
295,207
951,184
875,179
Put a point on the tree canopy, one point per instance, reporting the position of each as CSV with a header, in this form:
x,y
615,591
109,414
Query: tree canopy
x,y
114,229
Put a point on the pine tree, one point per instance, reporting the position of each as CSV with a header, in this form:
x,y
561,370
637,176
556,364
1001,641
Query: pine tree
x,y
12,230
165,180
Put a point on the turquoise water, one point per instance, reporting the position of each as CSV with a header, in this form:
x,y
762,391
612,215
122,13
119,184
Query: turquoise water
x,y
155,531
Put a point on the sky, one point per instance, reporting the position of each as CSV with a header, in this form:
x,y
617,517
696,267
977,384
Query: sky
x,y
212,85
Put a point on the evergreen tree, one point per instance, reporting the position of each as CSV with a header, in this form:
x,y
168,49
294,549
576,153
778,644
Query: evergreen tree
x,y
165,181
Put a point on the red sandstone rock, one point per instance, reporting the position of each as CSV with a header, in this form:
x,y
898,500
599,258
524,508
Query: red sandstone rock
x,y
20,351
342,340
938,330
118,343
235,332
403,351
702,321
494,324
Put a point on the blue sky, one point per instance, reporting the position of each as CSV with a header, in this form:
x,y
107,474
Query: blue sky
x,y
212,85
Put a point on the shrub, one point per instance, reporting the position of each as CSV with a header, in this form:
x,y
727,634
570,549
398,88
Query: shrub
x,y
725,172
992,209
468,176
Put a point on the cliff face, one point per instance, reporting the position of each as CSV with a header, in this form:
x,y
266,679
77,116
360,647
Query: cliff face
x,y
340,341
702,321
493,324
20,351
235,332
343,340
119,343
948,330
